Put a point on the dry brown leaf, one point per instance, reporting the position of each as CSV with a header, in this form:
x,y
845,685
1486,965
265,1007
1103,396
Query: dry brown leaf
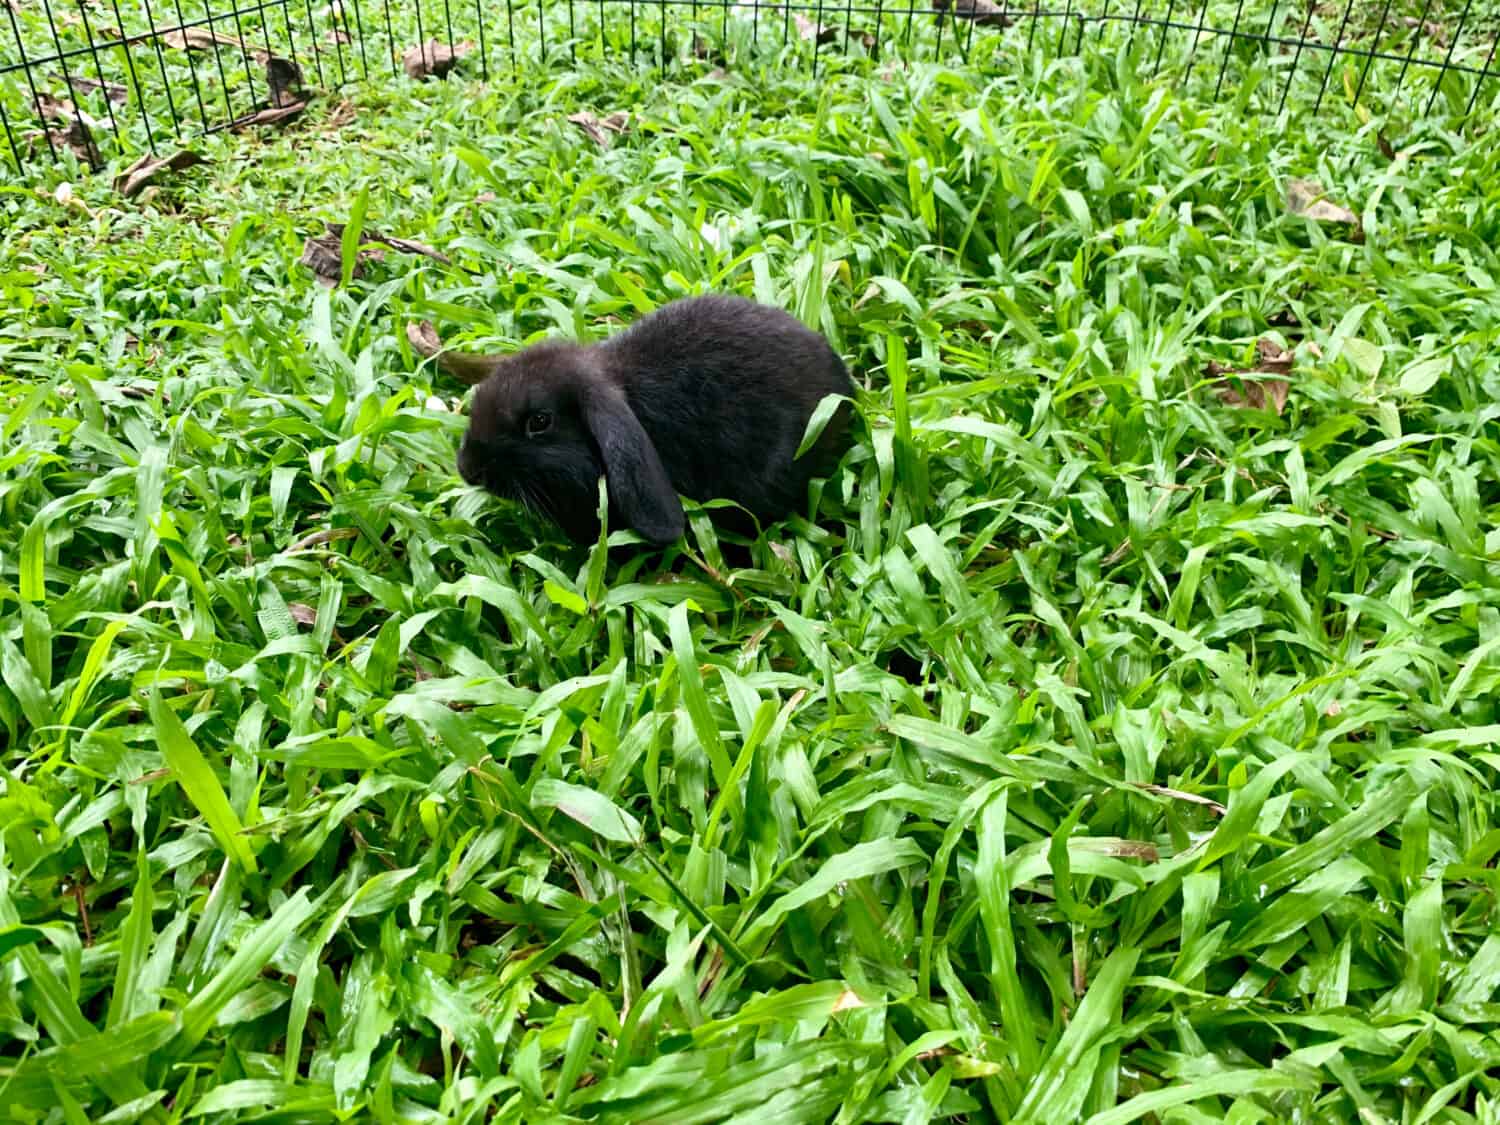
x,y
202,39
324,253
848,1000
982,12
466,367
145,171
405,245
1309,199
1256,393
112,90
1431,28
704,49
1179,795
343,114
61,110
433,58
285,81
77,131
811,29
1116,846
272,116
598,129
322,538
424,339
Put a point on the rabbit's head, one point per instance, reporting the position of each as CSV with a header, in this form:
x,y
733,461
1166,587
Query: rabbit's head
x,y
547,424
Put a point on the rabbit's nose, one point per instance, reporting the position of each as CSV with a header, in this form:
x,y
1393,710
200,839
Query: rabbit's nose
x,y
468,462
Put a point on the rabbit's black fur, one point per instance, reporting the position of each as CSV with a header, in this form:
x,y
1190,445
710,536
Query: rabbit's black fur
x,y
707,396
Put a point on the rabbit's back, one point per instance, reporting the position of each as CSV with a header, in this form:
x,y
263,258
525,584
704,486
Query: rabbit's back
x,y
724,387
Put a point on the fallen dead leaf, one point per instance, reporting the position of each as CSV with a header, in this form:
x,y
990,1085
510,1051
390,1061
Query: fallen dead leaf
x,y
272,116
202,39
1257,394
424,339
343,114
145,171
704,49
598,129
811,29
1431,28
433,58
1309,199
848,999
405,245
466,367
324,255
982,12
284,78
113,91
1115,846
1179,795
322,538
76,131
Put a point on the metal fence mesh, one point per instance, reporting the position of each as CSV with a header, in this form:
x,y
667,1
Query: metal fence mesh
x,y
93,80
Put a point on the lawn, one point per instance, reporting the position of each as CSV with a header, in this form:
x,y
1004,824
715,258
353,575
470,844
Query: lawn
x,y
1112,738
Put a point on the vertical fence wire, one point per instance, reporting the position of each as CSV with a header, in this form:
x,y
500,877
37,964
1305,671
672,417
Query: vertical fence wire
x,y
1411,52
1364,73
484,65
93,49
135,80
359,28
26,69
1333,57
1437,82
1239,10
1484,73
161,64
1197,38
10,140
1291,71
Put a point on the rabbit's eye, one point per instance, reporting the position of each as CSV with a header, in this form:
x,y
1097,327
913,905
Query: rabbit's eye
x,y
538,422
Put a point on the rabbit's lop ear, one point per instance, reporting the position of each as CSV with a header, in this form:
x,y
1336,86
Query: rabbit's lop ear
x,y
638,483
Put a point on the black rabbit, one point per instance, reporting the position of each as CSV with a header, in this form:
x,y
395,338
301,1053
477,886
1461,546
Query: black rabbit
x,y
708,397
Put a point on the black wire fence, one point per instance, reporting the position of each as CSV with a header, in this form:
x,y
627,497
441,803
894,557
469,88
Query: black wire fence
x,y
91,81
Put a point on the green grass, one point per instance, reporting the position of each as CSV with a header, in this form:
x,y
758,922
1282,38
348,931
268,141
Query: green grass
x,y
1101,751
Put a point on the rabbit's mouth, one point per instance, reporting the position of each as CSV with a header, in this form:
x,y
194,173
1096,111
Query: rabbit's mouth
x,y
476,465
